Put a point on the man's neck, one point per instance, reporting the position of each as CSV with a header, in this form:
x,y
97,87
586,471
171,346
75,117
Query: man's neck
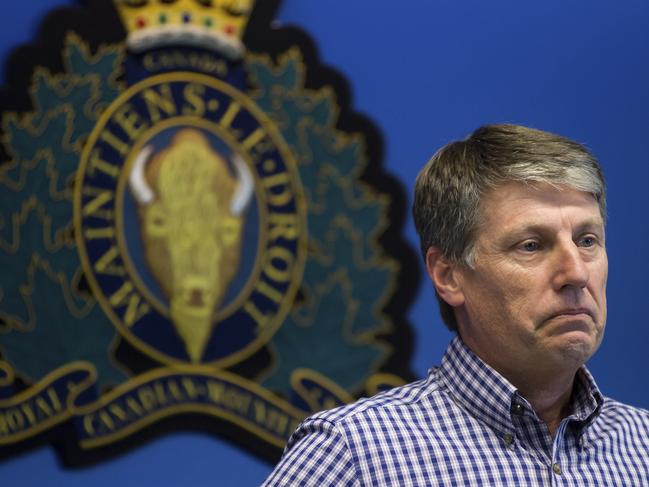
x,y
550,401
548,390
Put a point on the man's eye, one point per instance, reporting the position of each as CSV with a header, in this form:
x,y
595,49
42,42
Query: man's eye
x,y
530,246
587,241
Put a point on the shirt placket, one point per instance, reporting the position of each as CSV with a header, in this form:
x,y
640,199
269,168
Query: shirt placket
x,y
532,434
563,440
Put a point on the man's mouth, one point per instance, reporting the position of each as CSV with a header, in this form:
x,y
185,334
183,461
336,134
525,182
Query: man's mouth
x,y
574,311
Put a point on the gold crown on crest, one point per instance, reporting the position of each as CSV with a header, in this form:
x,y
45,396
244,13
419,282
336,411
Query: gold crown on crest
x,y
212,24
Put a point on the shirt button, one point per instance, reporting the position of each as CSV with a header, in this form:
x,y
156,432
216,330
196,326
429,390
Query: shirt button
x,y
517,409
556,468
508,438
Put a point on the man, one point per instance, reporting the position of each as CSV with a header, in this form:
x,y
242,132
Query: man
x,y
511,222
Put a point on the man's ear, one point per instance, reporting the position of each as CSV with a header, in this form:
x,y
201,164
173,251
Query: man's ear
x,y
444,275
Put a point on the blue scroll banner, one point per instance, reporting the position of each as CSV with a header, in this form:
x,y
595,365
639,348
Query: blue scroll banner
x,y
69,394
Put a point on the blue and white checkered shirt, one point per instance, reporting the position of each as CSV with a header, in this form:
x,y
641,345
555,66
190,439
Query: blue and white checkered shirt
x,y
467,425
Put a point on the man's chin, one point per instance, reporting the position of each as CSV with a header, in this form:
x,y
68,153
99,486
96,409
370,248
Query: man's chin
x,y
574,346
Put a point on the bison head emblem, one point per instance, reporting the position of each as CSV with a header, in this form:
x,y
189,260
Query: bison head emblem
x,y
191,211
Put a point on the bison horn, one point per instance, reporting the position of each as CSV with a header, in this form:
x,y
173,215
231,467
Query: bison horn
x,y
139,186
244,190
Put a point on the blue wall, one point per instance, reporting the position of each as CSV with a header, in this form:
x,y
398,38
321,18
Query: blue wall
x,y
426,72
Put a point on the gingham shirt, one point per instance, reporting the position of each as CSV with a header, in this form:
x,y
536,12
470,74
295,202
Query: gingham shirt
x,y
467,425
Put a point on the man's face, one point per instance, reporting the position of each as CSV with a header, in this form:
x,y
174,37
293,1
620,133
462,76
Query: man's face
x,y
535,300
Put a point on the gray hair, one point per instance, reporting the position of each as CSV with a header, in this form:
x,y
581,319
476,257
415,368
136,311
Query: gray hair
x,y
449,188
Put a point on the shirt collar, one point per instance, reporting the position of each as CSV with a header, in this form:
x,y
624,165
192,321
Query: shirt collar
x,y
490,398
587,400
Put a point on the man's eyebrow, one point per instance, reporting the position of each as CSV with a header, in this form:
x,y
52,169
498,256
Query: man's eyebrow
x,y
591,225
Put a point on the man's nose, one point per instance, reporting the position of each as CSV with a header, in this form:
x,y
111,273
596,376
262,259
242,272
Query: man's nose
x,y
571,270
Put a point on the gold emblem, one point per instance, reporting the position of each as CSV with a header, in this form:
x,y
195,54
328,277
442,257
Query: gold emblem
x,y
224,250
191,210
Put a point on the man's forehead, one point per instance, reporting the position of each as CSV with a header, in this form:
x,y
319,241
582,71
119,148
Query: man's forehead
x,y
517,203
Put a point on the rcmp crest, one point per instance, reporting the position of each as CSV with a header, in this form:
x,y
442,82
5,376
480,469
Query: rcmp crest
x,y
193,226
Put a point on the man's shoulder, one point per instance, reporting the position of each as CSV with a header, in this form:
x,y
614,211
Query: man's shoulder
x,y
617,408
410,395
322,450
618,415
